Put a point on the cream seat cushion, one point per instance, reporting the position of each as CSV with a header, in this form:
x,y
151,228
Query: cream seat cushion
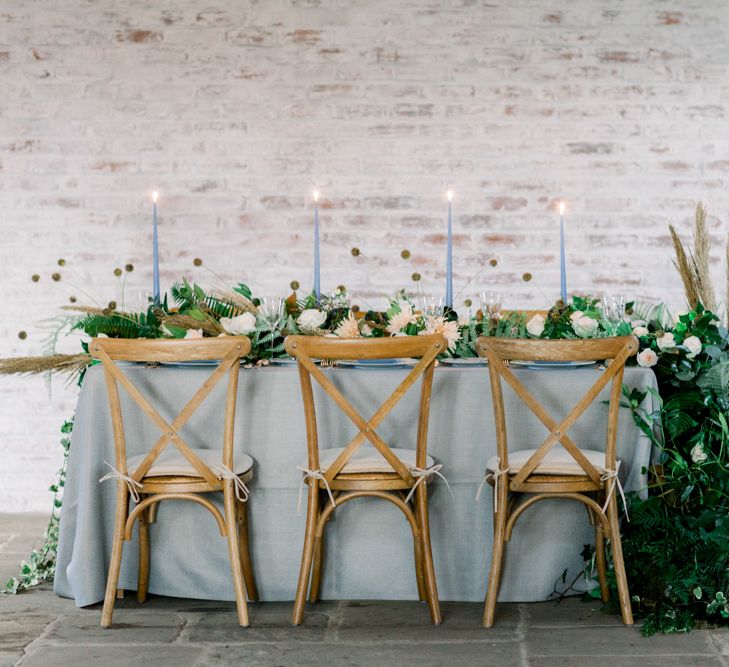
x,y
368,459
172,462
557,462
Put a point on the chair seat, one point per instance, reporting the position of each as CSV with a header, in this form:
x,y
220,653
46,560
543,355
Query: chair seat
x,y
556,462
172,462
368,459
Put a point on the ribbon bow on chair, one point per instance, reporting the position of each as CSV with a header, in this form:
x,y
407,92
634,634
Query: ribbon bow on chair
x,y
313,474
613,475
423,473
132,484
495,476
241,490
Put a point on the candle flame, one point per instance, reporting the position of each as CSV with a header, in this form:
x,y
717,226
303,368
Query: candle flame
x,y
561,208
449,194
316,195
155,196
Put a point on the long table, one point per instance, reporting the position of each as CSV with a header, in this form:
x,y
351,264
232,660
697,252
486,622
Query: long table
x,y
368,552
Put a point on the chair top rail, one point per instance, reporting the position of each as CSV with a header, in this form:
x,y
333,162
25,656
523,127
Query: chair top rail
x,y
371,348
526,349
154,350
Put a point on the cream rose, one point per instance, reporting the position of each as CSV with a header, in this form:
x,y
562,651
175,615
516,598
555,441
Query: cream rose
x,y
241,324
666,341
647,358
640,331
194,333
535,326
698,454
693,345
576,315
584,326
311,318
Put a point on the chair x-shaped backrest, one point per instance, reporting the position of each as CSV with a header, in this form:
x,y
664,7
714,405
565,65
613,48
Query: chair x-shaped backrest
x,y
307,348
501,350
228,350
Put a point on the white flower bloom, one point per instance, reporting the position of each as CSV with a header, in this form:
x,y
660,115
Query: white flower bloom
x,y
348,328
647,358
535,326
241,324
693,345
638,323
439,325
311,318
400,320
366,330
585,326
666,341
698,454
576,315
194,333
640,331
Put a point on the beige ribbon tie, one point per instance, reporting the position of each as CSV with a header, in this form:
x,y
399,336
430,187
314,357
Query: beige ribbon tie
x,y
132,484
423,473
313,474
242,492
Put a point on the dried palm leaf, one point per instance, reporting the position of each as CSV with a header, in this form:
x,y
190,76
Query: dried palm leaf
x,y
235,299
59,363
208,326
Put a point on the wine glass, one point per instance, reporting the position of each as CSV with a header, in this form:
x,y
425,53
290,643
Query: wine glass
x,y
432,306
491,304
614,307
271,312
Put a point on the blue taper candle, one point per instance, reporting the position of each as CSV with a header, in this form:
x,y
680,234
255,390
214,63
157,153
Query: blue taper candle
x,y
562,260
155,251
317,277
449,256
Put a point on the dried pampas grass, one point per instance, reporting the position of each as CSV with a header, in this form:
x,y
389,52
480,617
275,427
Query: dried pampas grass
x,y
58,363
208,326
693,267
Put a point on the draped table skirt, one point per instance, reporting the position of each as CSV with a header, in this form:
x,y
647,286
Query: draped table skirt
x,y
368,545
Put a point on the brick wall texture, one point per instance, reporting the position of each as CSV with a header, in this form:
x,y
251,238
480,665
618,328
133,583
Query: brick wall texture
x,y
236,111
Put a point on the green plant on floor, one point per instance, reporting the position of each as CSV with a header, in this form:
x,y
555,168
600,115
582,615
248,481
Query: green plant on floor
x,y
676,544
41,563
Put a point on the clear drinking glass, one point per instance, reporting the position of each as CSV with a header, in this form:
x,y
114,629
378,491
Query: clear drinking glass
x,y
491,304
614,307
432,305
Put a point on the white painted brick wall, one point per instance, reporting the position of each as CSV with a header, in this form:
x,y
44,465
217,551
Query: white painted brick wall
x,y
235,111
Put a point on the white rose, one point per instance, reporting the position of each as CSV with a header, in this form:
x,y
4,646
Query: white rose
x,y
698,454
311,319
666,341
576,315
640,331
535,326
585,326
242,324
647,358
693,345
366,330
194,333
637,323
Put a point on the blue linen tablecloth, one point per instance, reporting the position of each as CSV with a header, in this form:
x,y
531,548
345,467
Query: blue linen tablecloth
x,y
368,543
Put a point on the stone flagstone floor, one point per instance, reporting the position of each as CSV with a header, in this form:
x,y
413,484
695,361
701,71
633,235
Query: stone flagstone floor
x,y
39,629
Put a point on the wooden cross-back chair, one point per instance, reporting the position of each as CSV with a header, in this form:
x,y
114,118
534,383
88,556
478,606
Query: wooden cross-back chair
x,y
367,465
172,469
547,471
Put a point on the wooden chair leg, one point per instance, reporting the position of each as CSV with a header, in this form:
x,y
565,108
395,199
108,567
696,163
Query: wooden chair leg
x,y
418,553
245,552
428,567
497,555
600,562
122,506
312,518
316,568
143,575
618,562
231,525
